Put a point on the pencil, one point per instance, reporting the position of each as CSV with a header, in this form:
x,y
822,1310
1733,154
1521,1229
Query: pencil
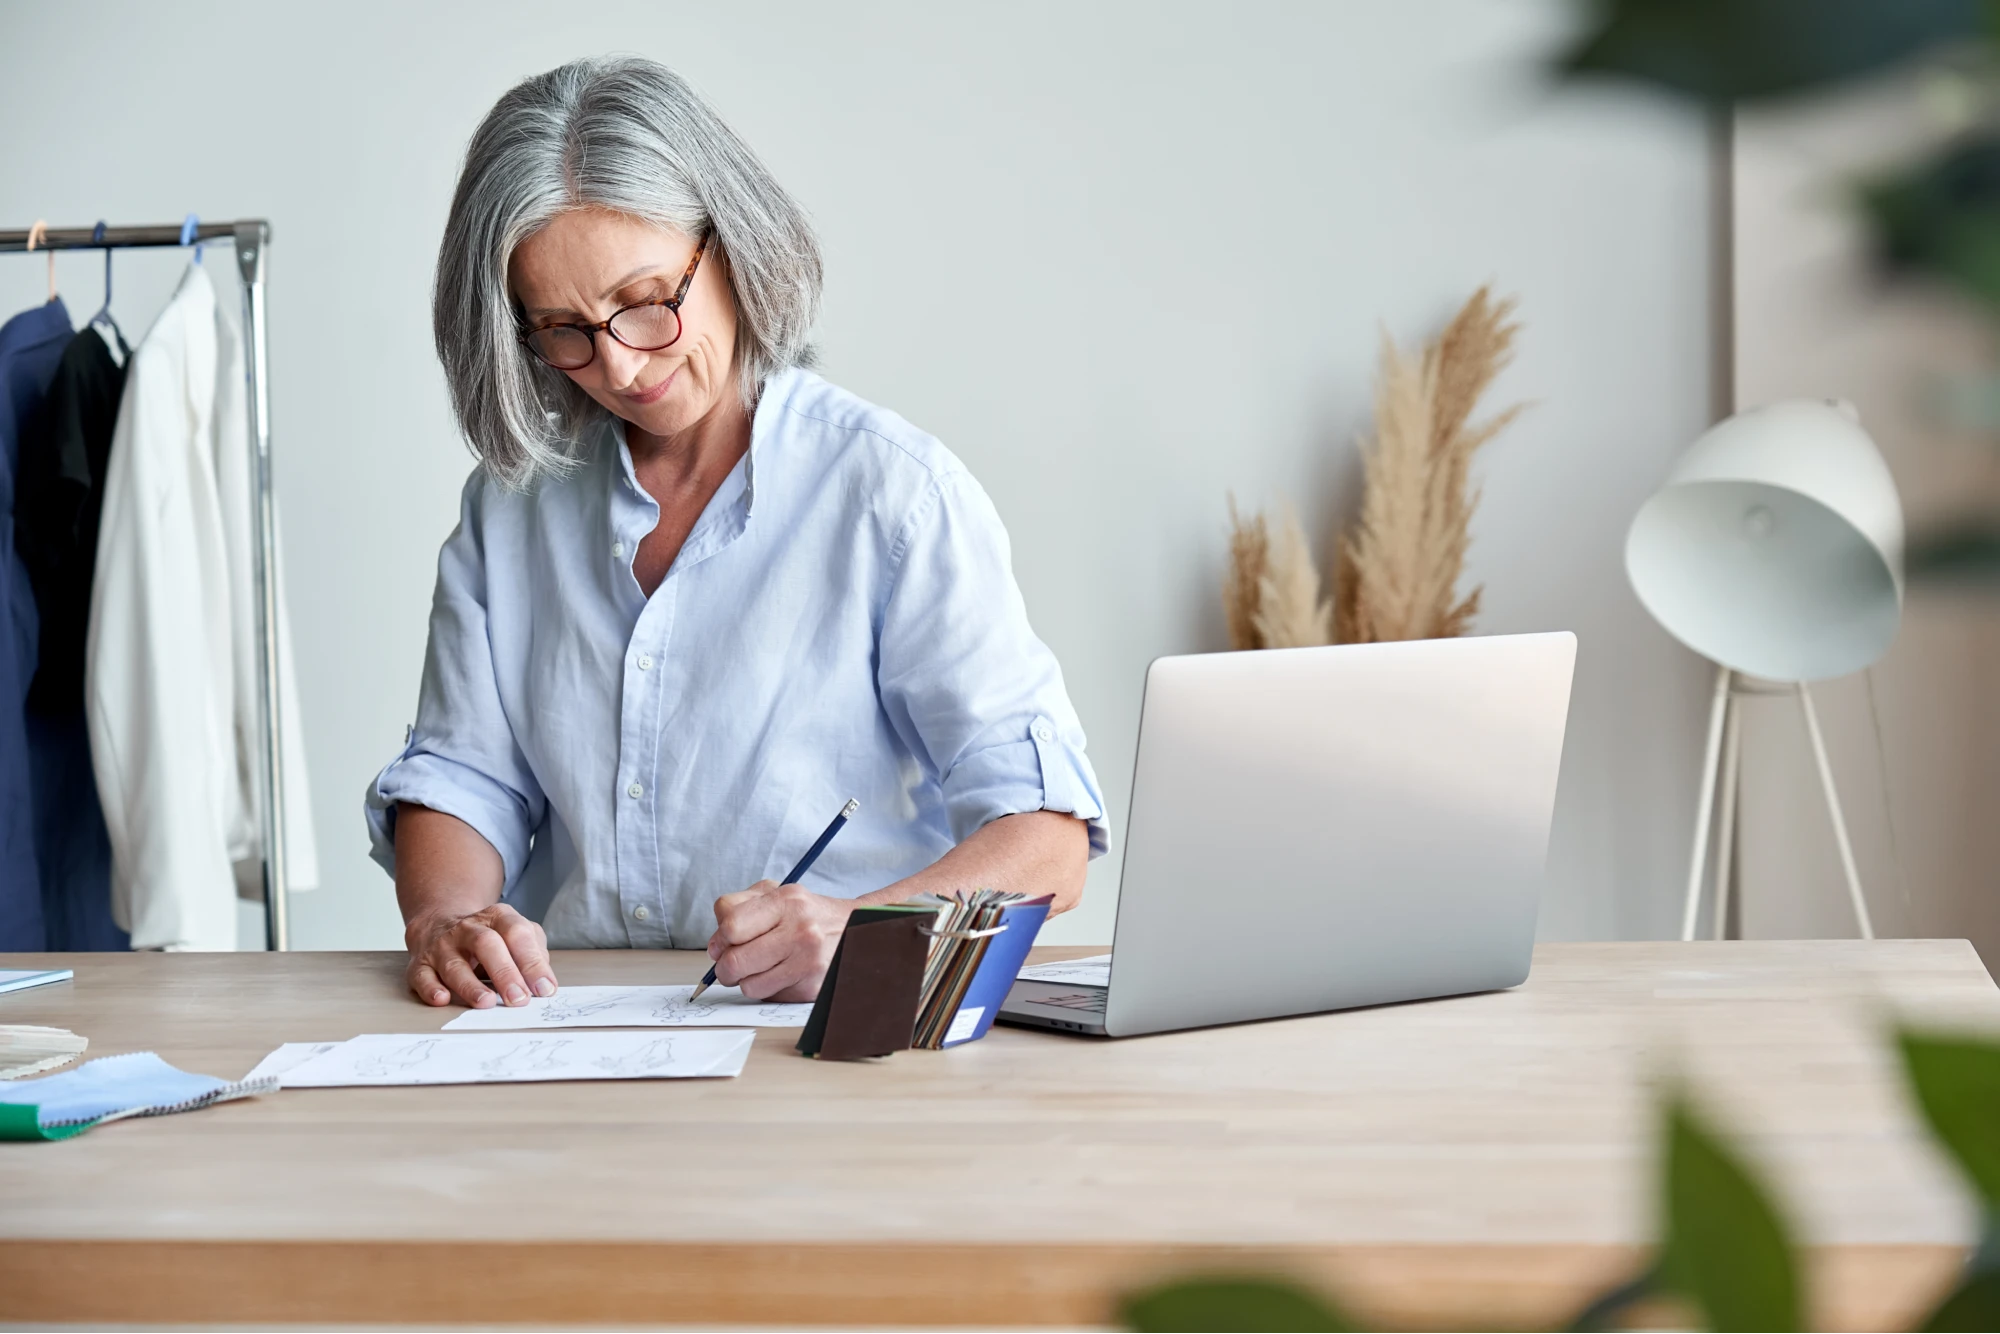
x,y
805,864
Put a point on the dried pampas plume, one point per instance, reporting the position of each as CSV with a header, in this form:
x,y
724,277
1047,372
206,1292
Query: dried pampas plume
x,y
1290,611
1271,593
1243,584
1396,574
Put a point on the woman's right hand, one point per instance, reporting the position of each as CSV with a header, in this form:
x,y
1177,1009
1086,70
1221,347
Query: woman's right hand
x,y
447,951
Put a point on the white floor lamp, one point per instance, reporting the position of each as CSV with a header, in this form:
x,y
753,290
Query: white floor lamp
x,y
1775,550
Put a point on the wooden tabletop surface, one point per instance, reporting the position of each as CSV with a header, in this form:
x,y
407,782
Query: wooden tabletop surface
x,y
1483,1158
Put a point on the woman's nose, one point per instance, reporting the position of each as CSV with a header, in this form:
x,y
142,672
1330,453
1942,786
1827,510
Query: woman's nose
x,y
621,363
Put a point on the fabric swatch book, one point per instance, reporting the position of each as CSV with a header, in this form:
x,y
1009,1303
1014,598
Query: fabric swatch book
x,y
931,973
20,979
108,1089
982,941
869,1000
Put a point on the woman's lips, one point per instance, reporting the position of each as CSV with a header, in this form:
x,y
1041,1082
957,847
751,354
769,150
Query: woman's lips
x,y
648,397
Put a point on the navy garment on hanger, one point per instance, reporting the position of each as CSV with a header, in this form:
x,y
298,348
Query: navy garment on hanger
x,y
59,496
31,346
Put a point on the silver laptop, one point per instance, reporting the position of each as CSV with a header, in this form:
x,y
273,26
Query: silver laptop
x,y
1319,828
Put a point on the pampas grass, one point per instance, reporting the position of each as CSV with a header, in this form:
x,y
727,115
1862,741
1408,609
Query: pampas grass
x,y
1396,573
1290,612
1243,584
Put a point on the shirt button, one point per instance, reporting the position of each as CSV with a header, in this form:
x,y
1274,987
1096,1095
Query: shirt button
x,y
635,791
641,913
645,662
1043,733
617,548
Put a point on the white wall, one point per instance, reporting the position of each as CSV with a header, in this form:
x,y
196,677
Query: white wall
x,y
1124,258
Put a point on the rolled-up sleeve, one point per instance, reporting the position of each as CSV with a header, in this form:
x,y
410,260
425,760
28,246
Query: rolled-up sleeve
x,y
965,681
461,757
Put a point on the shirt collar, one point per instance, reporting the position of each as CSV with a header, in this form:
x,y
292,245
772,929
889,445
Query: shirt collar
x,y
739,489
729,509
772,400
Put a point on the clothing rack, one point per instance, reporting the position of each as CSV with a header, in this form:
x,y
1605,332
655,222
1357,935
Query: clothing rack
x,y
250,236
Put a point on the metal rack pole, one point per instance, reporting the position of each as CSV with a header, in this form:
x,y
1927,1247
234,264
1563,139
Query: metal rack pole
x,y
250,237
126,238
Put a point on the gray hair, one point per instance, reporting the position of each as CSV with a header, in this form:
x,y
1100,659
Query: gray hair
x,y
628,135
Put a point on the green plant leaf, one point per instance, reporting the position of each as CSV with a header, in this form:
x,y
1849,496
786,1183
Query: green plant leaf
x,y
1973,1309
1957,1084
1942,216
1231,1304
1723,51
1967,555
1725,1246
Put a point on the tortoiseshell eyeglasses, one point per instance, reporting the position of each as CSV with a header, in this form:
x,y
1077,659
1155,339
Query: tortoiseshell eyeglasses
x,y
647,326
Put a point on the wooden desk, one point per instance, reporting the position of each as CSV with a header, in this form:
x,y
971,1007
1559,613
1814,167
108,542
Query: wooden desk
x,y
1466,1160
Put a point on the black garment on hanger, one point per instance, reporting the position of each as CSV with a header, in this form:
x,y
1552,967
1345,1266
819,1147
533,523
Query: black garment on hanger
x,y
58,500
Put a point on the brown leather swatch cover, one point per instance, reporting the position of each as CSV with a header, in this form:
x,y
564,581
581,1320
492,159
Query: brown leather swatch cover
x,y
877,990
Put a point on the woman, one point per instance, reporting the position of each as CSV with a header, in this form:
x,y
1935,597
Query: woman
x,y
697,596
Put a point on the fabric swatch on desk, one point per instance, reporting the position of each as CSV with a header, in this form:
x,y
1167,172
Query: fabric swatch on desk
x,y
29,1049
136,1084
516,1058
636,1007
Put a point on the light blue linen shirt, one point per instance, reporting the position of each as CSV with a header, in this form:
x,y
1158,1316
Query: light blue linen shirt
x,y
842,622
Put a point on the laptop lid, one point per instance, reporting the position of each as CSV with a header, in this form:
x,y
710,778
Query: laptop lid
x,y
1319,828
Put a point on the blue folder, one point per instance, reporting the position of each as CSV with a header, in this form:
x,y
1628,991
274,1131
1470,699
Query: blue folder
x,y
999,964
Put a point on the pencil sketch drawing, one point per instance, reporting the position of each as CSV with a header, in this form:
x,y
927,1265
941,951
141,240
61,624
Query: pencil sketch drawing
x,y
400,1060
407,1058
534,1055
681,1010
568,1009
634,1007
655,1055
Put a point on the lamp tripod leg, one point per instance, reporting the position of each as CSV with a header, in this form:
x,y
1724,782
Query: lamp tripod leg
x,y
1705,805
1725,836
1833,809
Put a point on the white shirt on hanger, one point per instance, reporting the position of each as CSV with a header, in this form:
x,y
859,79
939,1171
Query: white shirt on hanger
x,y
171,686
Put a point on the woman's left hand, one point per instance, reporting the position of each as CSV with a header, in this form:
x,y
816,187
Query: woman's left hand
x,y
775,941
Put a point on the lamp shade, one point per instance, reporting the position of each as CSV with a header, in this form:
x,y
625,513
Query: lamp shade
x,y
1775,548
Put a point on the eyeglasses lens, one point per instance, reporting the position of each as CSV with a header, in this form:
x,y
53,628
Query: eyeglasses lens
x,y
565,349
646,328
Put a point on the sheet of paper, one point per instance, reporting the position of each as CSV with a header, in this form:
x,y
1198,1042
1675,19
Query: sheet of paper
x,y
1093,971
516,1058
637,1007
288,1057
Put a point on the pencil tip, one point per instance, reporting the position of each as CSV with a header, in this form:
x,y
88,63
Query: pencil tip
x,y
699,987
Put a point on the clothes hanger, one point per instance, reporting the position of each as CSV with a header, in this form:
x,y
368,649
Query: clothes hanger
x,y
39,235
191,234
103,316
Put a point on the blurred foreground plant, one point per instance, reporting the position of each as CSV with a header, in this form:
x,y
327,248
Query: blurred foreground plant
x,y
1938,216
1726,1256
